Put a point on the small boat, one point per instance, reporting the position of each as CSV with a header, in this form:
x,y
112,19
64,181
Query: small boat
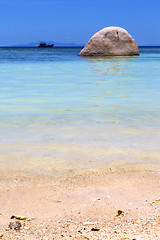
x,y
44,45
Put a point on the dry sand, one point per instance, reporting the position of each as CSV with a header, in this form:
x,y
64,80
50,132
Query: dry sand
x,y
84,205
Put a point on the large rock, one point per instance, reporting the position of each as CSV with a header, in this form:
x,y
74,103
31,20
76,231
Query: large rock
x,y
111,41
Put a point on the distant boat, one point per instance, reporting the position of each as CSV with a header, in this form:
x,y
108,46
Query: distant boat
x,y
44,45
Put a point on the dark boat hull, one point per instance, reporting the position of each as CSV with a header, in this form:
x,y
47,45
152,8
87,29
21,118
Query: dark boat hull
x,y
46,46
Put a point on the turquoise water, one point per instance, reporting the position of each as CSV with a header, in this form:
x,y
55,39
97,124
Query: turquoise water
x,y
60,112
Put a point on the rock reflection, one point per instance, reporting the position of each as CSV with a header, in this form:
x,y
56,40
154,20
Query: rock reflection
x,y
112,66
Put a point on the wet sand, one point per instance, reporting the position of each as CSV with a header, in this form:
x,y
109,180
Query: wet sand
x,y
85,204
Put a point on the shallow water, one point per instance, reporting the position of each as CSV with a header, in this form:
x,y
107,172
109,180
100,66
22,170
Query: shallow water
x,y
60,112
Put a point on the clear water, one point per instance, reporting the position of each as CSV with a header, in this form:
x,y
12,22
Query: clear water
x,y
60,112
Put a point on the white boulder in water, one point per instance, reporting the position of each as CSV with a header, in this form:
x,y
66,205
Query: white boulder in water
x,y
111,41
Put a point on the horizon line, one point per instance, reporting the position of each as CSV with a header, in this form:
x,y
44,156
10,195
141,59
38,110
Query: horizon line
x,y
27,46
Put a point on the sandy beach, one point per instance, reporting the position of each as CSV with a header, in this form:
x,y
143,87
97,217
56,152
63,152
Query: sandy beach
x,y
111,202
79,120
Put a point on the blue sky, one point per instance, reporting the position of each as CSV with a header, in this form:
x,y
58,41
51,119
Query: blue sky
x,y
25,21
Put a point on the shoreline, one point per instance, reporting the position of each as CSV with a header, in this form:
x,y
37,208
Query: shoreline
x,y
72,205
25,177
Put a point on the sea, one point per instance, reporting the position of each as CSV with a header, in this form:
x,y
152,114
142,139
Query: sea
x,y
60,112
